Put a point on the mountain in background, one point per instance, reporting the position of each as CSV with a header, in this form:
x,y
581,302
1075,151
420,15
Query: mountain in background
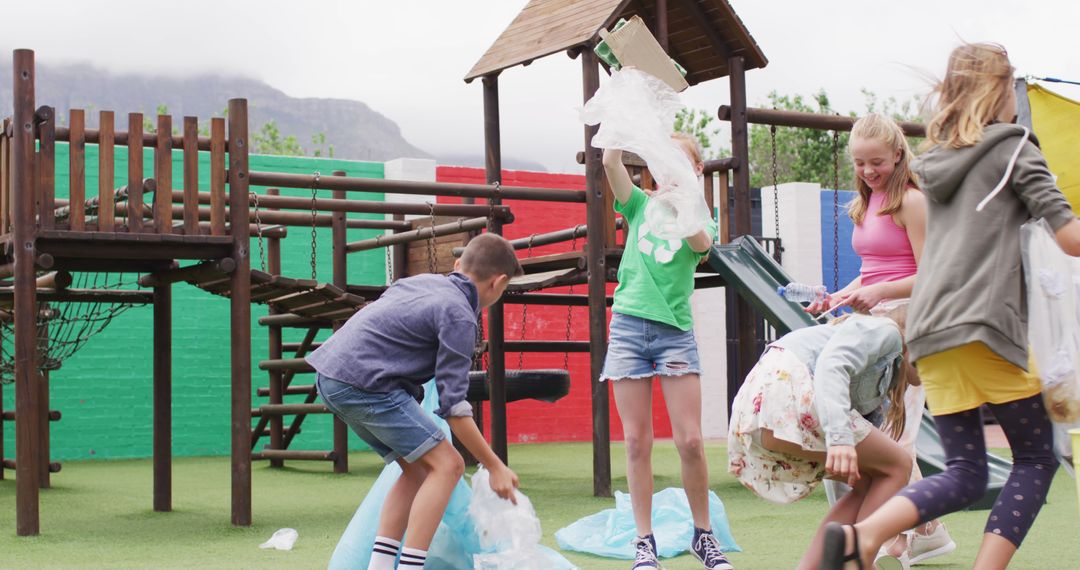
x,y
354,130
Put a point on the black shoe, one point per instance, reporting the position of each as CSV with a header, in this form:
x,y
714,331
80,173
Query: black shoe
x,y
833,554
707,549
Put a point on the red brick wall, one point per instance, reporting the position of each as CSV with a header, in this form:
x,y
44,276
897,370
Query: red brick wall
x,y
569,419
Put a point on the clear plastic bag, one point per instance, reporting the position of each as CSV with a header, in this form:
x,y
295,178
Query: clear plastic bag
x,y
636,112
1053,295
610,533
509,534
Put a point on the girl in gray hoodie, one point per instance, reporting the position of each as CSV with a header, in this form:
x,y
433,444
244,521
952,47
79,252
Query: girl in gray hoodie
x,y
967,329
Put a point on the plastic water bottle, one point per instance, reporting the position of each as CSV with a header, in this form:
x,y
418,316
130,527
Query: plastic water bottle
x,y
802,293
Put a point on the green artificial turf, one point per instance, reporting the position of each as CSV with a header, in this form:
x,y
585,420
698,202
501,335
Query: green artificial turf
x,y
98,514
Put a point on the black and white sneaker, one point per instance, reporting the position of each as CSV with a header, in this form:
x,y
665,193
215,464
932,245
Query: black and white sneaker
x,y
645,554
707,549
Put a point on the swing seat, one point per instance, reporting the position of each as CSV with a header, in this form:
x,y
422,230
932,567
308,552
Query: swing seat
x,y
547,385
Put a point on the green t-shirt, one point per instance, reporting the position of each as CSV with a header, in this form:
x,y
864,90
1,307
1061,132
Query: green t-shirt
x,y
656,276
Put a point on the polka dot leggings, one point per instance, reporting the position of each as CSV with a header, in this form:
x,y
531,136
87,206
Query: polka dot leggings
x,y
1030,436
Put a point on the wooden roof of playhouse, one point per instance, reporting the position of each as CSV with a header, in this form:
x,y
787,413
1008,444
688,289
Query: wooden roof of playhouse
x,y
702,34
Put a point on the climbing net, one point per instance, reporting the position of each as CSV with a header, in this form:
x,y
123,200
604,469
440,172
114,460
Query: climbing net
x,y
64,327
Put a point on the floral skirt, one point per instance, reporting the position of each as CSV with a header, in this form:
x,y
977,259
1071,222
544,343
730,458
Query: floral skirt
x,y
778,395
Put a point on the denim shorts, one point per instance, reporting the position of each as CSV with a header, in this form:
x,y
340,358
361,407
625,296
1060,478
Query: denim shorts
x,y
642,348
392,423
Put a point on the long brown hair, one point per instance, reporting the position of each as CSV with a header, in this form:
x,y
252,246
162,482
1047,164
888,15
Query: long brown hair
x,y
977,84
876,126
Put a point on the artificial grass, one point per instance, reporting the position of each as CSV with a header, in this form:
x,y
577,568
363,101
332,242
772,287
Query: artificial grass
x,y
98,514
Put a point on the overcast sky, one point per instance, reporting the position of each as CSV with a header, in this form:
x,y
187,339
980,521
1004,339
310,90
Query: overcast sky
x,y
406,59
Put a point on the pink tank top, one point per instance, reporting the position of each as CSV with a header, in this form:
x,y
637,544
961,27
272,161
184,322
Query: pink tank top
x,y
883,246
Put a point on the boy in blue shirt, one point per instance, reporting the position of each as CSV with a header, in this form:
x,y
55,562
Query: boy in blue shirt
x,y
371,372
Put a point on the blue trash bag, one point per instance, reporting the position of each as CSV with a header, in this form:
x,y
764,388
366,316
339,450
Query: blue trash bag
x,y
455,541
611,532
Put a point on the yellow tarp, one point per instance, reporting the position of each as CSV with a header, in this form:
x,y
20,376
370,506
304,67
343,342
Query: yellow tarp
x,y
1056,121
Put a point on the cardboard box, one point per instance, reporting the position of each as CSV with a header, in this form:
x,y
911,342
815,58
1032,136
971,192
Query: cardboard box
x,y
635,46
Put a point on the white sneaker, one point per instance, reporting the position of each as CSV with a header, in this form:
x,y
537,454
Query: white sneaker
x,y
888,562
927,546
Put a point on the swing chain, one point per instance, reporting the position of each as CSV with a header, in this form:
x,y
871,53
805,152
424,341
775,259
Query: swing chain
x,y
836,209
569,311
314,236
389,264
432,265
525,312
491,205
775,183
258,230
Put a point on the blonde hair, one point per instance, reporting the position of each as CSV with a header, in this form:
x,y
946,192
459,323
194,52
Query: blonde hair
x,y
896,416
691,144
977,84
876,126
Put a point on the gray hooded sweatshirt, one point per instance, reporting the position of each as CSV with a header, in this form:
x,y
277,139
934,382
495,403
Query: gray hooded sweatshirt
x,y
970,283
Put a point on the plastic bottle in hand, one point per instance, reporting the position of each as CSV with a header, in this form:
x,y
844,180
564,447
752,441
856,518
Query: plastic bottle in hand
x,y
802,293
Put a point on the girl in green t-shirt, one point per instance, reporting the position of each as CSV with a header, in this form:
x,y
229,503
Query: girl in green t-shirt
x,y
651,335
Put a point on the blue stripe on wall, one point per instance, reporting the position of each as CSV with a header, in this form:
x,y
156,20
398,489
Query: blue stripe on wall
x,y
848,262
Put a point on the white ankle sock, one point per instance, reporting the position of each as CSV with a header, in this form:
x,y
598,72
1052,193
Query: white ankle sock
x,y
384,553
412,558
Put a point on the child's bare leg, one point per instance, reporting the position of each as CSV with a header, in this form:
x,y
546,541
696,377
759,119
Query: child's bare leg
x,y
683,397
633,400
884,467
995,553
395,511
444,468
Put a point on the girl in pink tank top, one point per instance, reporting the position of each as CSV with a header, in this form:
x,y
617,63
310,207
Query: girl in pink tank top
x,y
889,213
890,224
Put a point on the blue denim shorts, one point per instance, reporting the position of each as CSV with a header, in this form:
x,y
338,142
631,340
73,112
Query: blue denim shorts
x,y
392,423
642,348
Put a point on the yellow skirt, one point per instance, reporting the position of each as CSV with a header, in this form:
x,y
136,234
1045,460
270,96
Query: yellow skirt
x,y
970,375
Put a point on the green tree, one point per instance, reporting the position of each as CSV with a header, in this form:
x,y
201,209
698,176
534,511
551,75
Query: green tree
x,y
702,125
802,155
807,155
268,140
318,141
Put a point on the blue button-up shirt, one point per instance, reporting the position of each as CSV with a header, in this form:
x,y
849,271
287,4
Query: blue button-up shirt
x,y
421,327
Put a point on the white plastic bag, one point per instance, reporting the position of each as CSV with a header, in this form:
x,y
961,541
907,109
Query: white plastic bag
x,y
1053,294
283,539
636,112
509,534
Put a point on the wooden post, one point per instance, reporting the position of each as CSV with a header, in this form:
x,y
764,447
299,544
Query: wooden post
x,y
274,332
22,198
43,427
135,173
496,330
1,422
341,280
191,176
106,172
240,313
217,176
662,23
597,287
77,169
747,354
163,398
163,176
46,177
724,212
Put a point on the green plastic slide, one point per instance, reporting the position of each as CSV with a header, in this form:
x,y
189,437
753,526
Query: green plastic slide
x,y
746,267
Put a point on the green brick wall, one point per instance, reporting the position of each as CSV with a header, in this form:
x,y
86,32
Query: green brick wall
x,y
105,390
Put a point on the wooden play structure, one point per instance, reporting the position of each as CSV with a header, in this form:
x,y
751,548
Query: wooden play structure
x,y
165,229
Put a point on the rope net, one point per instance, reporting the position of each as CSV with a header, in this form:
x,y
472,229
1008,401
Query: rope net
x,y
64,327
